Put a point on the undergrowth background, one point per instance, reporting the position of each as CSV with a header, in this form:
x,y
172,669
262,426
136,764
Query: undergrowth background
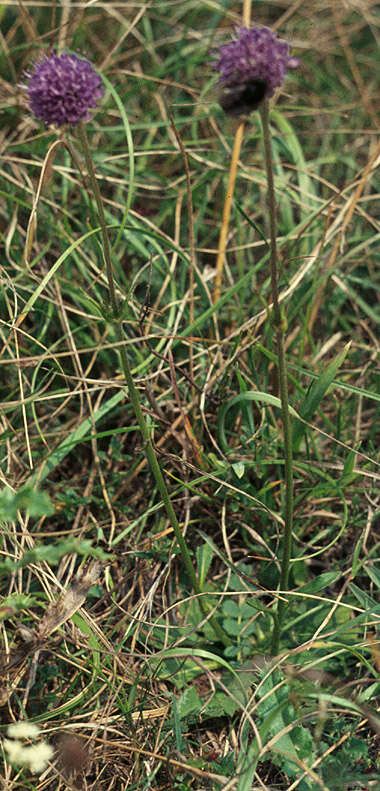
x,y
124,675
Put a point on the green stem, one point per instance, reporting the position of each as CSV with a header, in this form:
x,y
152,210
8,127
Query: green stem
x,y
280,325
134,395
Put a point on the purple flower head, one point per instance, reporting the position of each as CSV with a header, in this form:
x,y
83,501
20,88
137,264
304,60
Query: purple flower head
x,y
62,88
251,67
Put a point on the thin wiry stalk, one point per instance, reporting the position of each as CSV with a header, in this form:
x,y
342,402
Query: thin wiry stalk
x,y
280,326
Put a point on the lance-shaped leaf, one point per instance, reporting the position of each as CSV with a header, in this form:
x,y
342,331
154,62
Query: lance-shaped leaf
x,y
314,396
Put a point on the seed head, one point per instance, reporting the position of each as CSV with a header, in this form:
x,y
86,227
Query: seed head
x,y
251,67
62,88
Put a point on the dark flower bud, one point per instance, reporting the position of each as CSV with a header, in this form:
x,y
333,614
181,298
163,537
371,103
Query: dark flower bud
x,y
251,67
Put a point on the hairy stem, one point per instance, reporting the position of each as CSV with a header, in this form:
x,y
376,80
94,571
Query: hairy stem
x,y
280,326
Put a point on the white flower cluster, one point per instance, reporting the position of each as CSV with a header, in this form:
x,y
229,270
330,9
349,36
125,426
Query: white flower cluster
x,y
35,756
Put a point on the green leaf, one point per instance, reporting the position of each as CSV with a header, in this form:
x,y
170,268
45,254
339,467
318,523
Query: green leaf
x,y
230,608
238,468
315,395
321,582
370,693
357,562
177,726
241,400
246,410
364,599
219,705
10,605
35,502
276,714
247,761
232,626
197,652
92,640
252,223
188,703
351,627
204,558
374,574
90,305
52,554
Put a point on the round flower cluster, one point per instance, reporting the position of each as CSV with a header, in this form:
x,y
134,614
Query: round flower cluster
x,y
62,88
251,67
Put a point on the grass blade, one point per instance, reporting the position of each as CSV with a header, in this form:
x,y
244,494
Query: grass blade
x,y
315,395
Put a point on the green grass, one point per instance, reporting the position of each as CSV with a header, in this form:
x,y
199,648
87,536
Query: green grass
x,y
125,674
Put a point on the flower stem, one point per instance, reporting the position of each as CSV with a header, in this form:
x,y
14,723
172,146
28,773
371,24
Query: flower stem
x,y
280,325
134,395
